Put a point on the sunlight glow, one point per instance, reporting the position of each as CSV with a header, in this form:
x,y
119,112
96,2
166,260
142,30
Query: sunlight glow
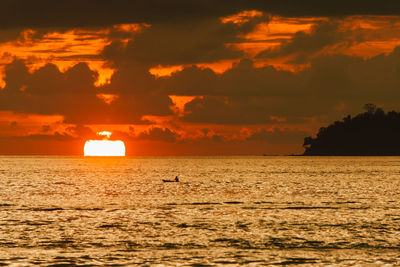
x,y
104,147
106,134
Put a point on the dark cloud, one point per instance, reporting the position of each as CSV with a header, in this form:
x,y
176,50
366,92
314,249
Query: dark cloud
x,y
48,91
248,95
246,80
56,136
192,81
242,95
82,132
79,13
132,77
256,110
72,94
74,13
304,44
9,34
355,79
194,41
224,110
243,79
16,75
328,36
213,137
158,134
139,94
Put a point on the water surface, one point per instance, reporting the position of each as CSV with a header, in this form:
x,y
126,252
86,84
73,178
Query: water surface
x,y
225,210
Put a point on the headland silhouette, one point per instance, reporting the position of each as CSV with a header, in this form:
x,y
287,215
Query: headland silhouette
x,y
372,133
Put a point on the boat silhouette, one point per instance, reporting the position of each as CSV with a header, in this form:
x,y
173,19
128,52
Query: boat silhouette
x,y
176,180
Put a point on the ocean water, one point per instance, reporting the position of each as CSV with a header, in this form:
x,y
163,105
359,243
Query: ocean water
x,y
226,211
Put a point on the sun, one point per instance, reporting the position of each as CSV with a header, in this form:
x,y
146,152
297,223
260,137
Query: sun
x,y
104,147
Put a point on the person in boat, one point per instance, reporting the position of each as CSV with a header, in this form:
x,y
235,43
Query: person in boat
x,y
175,180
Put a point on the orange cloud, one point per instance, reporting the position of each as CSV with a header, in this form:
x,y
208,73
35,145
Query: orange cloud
x,y
107,98
161,71
65,49
270,34
218,67
370,49
242,17
368,36
240,90
132,28
17,124
280,27
179,102
362,36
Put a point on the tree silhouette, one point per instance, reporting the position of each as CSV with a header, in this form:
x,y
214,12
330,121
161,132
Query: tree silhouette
x,y
371,133
370,108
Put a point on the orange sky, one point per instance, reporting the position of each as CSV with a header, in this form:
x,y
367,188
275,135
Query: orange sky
x,y
273,41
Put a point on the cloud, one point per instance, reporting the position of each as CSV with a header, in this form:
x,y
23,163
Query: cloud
x,y
9,34
23,13
246,94
192,81
72,94
243,79
158,134
191,42
56,136
224,110
86,13
250,95
243,95
48,91
81,132
303,44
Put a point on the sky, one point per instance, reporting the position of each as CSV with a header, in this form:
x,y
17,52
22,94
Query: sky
x,y
175,77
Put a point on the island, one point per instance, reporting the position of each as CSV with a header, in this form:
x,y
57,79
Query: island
x,y
372,133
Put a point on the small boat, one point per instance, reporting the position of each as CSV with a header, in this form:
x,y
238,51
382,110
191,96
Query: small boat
x,y
176,180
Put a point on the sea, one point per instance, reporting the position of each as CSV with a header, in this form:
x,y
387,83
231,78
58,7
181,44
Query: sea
x,y
225,211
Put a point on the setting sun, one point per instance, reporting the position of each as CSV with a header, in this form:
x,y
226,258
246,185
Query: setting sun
x,y
104,147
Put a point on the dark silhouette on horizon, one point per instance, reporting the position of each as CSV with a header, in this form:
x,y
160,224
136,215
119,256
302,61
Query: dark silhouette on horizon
x,y
372,133
169,181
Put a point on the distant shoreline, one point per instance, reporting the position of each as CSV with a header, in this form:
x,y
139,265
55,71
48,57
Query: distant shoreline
x,y
372,133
